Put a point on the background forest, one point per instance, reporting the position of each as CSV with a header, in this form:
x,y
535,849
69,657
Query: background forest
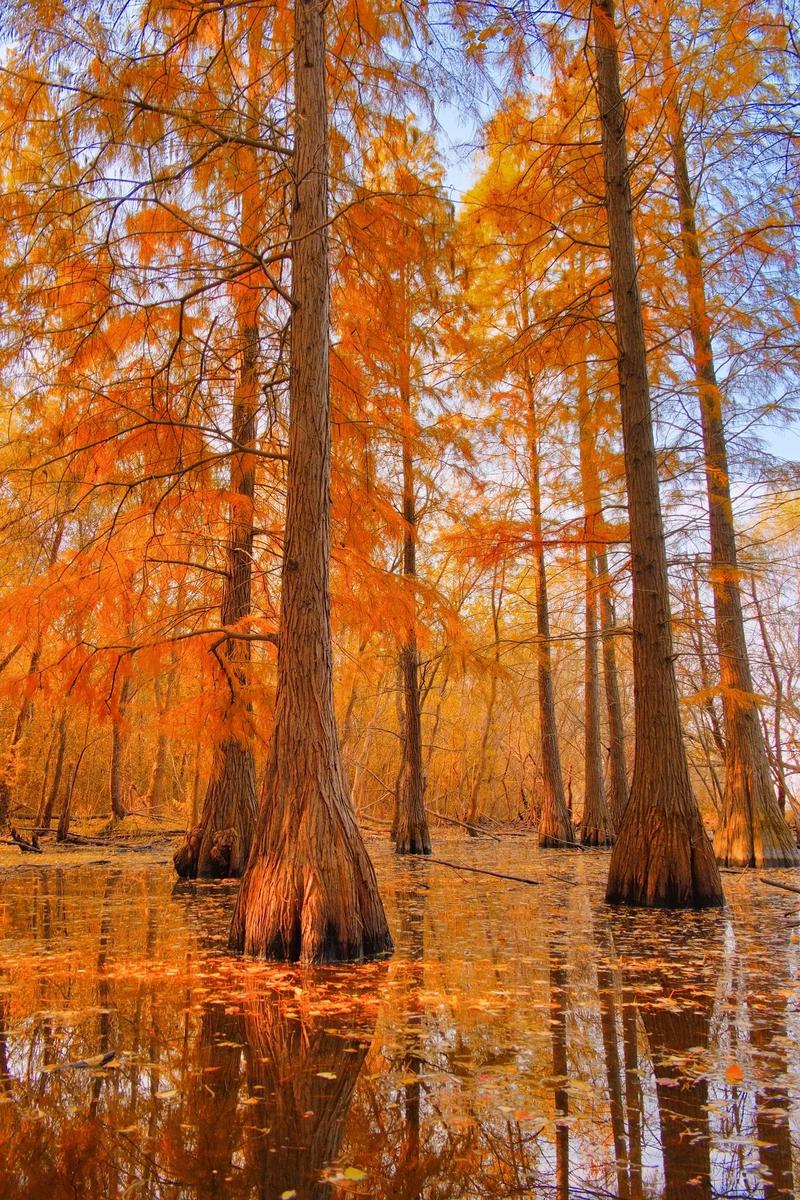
x,y
481,592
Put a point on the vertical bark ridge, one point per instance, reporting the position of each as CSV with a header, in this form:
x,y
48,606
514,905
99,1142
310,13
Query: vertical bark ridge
x,y
662,856
309,891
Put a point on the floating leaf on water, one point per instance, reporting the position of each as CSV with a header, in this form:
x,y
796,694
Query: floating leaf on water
x,y
734,1073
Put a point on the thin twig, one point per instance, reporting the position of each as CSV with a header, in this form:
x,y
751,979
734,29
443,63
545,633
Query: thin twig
x,y
442,862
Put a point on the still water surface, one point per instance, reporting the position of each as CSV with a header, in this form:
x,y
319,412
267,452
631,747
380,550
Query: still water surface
x,y
523,1042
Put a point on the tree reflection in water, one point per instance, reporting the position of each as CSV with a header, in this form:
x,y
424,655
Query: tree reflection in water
x,y
522,1044
675,998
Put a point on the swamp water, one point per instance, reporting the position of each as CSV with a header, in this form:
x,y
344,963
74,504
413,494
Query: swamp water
x,y
523,1041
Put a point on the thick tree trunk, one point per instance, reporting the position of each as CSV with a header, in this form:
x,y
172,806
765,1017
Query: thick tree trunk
x,y
309,892
752,831
411,835
595,527
662,855
555,826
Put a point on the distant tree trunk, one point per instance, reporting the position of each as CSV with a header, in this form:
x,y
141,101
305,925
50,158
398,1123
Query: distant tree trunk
x,y
595,528
752,830
45,816
474,799
66,807
699,643
9,770
776,755
309,892
155,799
411,834
597,828
662,855
555,826
118,809
219,846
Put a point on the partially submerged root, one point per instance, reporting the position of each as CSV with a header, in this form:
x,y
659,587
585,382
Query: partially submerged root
x,y
555,825
753,831
663,860
224,858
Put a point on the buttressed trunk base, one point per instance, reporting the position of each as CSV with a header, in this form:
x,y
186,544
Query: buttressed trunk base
x,y
309,891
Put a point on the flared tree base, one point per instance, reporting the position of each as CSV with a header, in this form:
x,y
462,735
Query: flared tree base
x,y
663,859
419,844
411,835
218,846
597,836
753,833
555,827
309,893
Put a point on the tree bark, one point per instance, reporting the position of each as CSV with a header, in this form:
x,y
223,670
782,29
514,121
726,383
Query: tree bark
x,y
9,772
474,799
118,809
597,827
595,527
411,834
45,817
309,892
555,826
752,830
219,845
662,855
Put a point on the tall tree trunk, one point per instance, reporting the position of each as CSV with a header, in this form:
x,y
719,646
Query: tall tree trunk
x,y
8,777
309,892
118,809
597,827
219,846
8,773
595,529
45,816
752,830
662,855
411,835
776,753
555,826
474,799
